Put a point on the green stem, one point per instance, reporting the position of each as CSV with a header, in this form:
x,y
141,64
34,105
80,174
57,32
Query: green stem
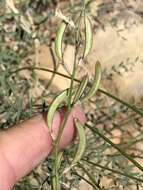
x,y
132,107
112,170
91,177
77,36
90,183
56,147
72,82
122,102
95,130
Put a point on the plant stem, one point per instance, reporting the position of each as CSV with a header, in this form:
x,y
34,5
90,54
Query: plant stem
x,y
91,177
132,107
90,183
112,170
95,130
56,146
72,82
122,102
77,34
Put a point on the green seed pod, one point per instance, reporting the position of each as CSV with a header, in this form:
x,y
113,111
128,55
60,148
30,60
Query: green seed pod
x,y
62,97
82,142
96,82
59,39
81,88
53,107
88,37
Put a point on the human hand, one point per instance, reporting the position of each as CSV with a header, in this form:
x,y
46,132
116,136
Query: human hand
x,y
24,146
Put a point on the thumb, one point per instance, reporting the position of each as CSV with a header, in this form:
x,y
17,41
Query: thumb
x,y
24,146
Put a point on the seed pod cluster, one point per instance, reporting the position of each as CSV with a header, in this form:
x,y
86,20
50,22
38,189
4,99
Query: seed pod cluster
x,y
79,93
88,38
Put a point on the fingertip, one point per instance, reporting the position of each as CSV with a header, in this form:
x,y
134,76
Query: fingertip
x,y
69,131
79,113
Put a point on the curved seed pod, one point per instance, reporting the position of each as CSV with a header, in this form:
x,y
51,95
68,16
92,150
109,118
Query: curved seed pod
x,y
59,38
53,107
82,142
96,82
81,88
88,36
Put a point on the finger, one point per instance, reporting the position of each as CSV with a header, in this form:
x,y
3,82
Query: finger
x,y
24,146
69,131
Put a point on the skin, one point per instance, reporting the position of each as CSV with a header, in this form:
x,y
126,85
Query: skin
x,y
24,146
